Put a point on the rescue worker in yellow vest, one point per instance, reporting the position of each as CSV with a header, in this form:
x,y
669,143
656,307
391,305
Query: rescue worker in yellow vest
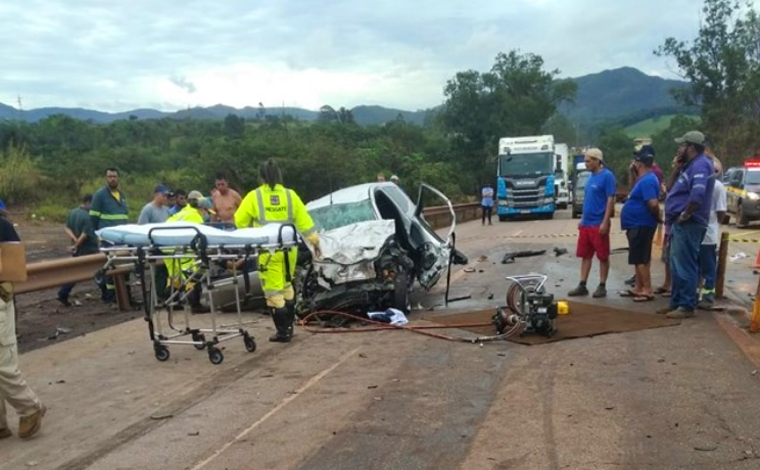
x,y
273,203
195,211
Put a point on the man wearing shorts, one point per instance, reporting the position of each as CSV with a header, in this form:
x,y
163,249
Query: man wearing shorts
x,y
639,218
594,228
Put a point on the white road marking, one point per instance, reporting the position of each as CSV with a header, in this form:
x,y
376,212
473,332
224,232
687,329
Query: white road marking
x,y
277,408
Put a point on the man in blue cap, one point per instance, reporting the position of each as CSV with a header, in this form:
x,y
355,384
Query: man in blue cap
x,y
157,210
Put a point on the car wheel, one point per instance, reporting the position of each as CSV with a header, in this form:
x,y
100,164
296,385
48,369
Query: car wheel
x,y
741,219
401,292
503,218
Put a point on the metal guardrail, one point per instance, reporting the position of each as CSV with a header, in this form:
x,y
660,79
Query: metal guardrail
x,y
57,272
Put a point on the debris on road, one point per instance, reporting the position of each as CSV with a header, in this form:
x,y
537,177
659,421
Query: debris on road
x,y
738,256
706,448
560,251
194,433
509,257
159,417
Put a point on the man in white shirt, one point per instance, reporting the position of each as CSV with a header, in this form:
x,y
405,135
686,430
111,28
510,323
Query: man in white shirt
x,y
708,261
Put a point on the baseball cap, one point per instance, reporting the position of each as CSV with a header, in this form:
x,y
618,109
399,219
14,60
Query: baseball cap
x,y
160,188
202,201
692,137
394,177
595,153
645,150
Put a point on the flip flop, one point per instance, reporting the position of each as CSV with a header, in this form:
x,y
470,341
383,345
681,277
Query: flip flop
x,y
643,298
667,294
627,293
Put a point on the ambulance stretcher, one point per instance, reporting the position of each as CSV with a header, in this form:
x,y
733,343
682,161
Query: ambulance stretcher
x,y
193,253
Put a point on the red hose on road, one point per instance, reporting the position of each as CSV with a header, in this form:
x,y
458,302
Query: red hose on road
x,y
420,329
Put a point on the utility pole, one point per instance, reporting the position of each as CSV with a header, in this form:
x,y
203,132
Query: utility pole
x,y
20,109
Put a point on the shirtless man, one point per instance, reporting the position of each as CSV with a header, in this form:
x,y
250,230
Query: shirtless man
x,y
226,201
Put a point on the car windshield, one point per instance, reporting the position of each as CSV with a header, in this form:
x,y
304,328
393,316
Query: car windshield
x,y
339,215
753,177
526,164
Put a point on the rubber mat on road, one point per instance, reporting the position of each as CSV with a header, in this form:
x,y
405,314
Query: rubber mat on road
x,y
584,320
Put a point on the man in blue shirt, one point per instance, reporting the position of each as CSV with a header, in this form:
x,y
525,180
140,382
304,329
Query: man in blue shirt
x,y
594,228
687,209
639,218
486,202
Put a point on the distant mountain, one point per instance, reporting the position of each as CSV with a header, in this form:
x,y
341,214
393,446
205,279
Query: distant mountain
x,y
624,94
613,94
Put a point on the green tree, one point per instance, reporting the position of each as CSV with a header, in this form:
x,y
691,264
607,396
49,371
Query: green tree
x,y
516,97
722,65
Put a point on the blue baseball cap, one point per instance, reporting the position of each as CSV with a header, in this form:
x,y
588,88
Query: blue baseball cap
x,y
161,189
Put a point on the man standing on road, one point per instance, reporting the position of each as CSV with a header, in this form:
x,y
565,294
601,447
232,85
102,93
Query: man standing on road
x,y
708,258
83,238
639,218
486,202
594,227
226,201
109,209
155,212
13,388
687,209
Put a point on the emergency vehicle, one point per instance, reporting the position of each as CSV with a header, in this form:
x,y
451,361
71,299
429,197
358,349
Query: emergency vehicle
x,y
743,192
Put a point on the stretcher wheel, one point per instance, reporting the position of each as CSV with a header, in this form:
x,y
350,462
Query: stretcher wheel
x,y
162,353
199,337
250,343
215,356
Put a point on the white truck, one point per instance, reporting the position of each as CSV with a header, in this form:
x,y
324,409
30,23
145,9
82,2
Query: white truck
x,y
562,175
525,176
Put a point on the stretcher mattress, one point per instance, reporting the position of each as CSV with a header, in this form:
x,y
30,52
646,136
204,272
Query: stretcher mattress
x,y
183,233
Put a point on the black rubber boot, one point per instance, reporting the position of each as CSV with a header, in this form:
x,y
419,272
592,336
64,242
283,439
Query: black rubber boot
x,y
284,328
290,305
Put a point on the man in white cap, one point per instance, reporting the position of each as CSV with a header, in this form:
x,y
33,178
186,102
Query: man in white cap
x,y
394,179
594,227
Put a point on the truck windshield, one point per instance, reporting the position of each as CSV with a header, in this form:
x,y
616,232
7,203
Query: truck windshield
x,y
526,164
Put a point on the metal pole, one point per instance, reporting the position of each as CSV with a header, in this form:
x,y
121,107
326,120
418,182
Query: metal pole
x,y
722,257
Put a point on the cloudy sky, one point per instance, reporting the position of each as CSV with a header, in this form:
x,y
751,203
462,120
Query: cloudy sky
x,y
116,55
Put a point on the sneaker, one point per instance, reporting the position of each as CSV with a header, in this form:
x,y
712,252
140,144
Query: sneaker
x,y
665,310
680,313
600,291
29,425
631,281
5,432
580,290
705,304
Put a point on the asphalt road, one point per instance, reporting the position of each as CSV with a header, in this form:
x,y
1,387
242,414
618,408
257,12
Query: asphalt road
x,y
676,397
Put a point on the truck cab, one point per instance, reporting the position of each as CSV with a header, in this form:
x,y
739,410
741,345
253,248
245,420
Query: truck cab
x,y
526,177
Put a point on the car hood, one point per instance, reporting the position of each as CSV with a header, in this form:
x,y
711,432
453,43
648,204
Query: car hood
x,y
348,252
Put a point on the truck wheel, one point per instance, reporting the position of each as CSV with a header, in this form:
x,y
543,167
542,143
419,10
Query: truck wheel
x,y
741,219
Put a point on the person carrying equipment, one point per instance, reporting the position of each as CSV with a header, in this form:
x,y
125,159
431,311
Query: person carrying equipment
x,y
273,203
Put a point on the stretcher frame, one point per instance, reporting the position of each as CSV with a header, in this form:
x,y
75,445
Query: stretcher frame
x,y
202,254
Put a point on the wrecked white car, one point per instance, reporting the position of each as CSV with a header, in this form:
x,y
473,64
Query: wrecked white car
x,y
375,245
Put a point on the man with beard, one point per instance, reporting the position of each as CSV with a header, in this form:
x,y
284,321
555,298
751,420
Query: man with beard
x,y
109,208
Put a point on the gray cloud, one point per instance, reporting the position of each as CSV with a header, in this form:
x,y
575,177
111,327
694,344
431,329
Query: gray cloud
x,y
183,83
306,52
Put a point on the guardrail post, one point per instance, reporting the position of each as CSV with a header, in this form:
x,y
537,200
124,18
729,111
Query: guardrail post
x,y
722,258
122,296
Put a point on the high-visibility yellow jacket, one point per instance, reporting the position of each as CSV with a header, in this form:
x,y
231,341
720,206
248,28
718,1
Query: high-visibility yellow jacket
x,y
175,266
265,205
